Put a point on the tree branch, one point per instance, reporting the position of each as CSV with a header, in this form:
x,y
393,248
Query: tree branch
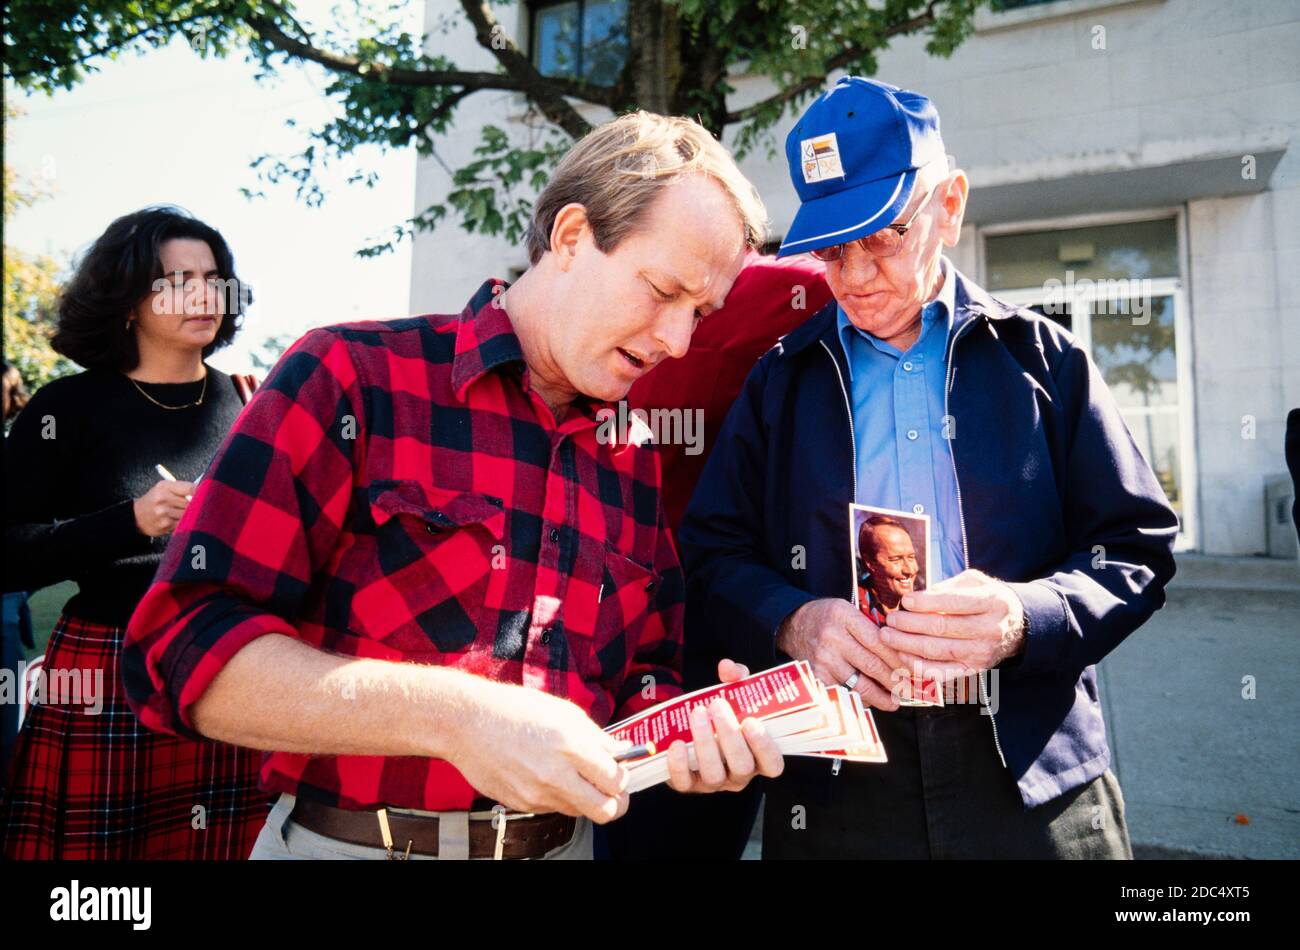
x,y
444,109
543,91
340,63
302,30
105,50
838,61
271,33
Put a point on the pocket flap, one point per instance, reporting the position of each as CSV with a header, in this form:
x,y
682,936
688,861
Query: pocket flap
x,y
621,571
437,507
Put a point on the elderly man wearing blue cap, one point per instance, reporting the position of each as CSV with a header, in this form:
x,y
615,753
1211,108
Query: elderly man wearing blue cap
x,y
917,391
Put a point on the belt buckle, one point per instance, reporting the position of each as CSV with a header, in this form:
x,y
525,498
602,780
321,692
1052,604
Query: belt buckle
x,y
499,821
387,837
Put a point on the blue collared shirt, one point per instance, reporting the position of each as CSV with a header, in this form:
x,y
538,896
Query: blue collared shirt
x,y
904,460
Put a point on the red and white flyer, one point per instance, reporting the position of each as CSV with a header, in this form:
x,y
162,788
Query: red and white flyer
x,y
804,716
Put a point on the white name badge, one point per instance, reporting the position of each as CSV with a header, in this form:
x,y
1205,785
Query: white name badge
x,y
820,156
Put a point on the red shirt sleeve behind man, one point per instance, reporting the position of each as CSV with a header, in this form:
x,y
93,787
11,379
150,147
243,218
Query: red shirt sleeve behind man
x,y
769,299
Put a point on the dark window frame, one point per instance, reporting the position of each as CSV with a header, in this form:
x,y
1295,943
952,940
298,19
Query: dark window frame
x,y
537,6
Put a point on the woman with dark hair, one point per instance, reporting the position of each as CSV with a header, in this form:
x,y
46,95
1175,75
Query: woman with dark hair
x,y
99,469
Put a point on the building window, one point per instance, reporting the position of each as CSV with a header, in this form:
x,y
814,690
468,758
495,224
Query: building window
x,y
1137,250
580,39
1118,289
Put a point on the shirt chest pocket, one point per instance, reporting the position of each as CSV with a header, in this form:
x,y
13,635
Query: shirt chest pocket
x,y
622,601
424,588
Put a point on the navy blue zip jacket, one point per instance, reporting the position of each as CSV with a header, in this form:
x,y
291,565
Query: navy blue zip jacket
x,y
1055,498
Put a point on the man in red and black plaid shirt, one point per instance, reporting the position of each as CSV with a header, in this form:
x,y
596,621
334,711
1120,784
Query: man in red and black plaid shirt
x,y
420,573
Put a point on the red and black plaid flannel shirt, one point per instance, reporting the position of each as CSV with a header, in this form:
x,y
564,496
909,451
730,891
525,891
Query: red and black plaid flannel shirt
x,y
396,490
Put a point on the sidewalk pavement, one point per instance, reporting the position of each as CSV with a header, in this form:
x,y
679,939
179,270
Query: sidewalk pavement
x,y
1191,752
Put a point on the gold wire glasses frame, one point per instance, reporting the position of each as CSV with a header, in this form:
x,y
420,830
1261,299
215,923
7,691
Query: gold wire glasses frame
x,y
883,243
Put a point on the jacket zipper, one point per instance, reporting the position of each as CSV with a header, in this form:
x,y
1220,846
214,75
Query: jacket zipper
x,y
848,407
853,467
965,549
961,517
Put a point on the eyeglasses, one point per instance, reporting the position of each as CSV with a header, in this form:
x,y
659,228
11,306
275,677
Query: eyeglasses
x,y
886,242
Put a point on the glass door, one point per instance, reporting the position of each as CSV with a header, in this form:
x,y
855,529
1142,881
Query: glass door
x,y
1134,326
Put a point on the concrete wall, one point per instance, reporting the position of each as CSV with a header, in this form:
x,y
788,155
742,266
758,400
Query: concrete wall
x,y
1158,118
1246,331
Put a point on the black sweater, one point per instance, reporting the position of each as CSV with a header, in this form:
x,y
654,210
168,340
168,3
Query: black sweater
x,y
78,455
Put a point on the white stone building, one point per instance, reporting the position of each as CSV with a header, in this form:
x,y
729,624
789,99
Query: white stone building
x,y
1150,144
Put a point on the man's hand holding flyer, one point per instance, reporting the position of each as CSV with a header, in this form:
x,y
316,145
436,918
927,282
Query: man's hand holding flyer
x,y
890,558
804,716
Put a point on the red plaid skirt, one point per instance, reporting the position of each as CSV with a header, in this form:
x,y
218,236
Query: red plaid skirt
x,y
88,781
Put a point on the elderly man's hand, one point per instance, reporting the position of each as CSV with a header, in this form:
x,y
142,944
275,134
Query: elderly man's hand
x,y
838,640
960,626
728,754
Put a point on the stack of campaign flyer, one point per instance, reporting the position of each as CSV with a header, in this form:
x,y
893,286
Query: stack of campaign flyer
x,y
802,714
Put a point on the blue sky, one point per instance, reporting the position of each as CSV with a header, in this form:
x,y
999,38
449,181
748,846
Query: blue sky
x,y
169,126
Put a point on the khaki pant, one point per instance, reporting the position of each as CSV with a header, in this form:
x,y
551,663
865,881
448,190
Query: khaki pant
x,y
283,839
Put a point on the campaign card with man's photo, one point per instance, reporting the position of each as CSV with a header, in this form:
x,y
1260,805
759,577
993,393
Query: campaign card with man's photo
x,y
891,557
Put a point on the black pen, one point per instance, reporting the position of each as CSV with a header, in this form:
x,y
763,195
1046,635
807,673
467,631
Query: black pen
x,y
636,752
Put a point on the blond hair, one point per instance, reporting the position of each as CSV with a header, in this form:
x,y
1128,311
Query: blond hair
x,y
617,169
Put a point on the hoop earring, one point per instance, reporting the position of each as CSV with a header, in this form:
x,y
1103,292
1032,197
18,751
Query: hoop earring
x,y
128,326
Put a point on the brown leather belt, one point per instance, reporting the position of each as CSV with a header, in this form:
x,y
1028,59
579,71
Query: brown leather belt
x,y
525,837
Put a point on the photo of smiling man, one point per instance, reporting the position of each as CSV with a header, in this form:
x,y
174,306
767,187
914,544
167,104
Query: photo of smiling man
x,y
889,557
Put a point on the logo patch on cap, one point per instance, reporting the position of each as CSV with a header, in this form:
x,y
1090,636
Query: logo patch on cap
x,y
820,156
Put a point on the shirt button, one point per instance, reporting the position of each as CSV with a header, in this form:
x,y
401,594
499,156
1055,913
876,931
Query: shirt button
x,y
555,536
918,509
907,367
911,435
649,587
546,635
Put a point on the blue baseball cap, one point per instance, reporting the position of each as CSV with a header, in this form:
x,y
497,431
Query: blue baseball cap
x,y
853,158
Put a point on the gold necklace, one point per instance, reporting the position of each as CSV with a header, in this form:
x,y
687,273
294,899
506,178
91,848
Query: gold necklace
x,y
197,402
